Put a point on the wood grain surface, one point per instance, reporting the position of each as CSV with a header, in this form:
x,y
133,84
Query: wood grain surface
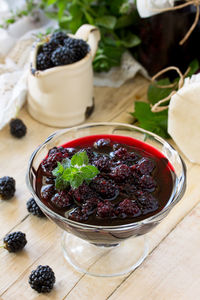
x,y
170,272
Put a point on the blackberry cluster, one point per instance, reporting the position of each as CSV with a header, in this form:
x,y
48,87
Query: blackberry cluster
x,y
17,128
42,279
60,50
7,187
15,241
33,208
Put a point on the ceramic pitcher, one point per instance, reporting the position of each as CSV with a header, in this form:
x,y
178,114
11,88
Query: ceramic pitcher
x,y
61,96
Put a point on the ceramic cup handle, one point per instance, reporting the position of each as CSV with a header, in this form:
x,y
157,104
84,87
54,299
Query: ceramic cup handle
x,y
91,35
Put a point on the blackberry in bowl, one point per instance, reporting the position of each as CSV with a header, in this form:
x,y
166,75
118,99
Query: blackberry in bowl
x,y
106,185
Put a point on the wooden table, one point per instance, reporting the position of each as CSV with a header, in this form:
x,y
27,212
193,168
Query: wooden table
x,y
170,272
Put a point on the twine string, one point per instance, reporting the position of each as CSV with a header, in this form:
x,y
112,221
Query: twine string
x,y
156,107
196,3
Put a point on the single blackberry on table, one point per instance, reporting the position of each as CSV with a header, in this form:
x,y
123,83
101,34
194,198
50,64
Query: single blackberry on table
x,y
7,187
58,37
17,128
78,46
15,241
62,56
43,62
33,208
42,279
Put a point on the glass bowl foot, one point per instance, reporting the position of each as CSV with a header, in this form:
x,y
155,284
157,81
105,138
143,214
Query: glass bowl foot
x,y
104,261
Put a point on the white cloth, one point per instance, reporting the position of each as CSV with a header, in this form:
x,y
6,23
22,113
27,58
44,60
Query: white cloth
x,y
118,75
183,118
148,8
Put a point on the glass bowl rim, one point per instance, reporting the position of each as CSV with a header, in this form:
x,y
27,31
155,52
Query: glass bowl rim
x,y
170,204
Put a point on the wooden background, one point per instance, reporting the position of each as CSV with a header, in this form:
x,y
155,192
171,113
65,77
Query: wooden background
x,y
170,272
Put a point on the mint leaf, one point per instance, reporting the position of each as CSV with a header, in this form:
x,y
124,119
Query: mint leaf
x,y
76,181
74,171
89,172
60,184
154,122
58,170
79,159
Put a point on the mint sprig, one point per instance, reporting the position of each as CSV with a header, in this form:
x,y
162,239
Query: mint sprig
x,y
74,172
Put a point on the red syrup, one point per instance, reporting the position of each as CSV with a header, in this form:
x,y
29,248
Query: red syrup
x,y
133,184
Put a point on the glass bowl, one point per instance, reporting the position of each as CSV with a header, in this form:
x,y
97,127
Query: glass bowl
x,y
107,250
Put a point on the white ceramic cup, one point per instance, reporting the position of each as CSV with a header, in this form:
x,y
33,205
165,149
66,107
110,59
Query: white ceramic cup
x,y
61,96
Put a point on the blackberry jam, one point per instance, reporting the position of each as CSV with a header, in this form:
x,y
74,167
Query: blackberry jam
x,y
135,181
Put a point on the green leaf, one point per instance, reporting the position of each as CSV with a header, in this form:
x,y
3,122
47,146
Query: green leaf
x,y
89,172
79,159
154,122
76,181
58,170
74,171
50,2
194,67
156,93
124,21
131,40
106,21
66,163
60,184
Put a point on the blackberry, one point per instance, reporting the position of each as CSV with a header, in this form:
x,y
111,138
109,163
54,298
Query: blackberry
x,y
103,163
62,56
7,187
146,202
147,183
61,200
58,37
120,173
42,279
47,192
49,47
78,215
79,47
33,208
15,241
82,193
102,143
145,166
105,209
105,188
17,128
128,208
43,62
